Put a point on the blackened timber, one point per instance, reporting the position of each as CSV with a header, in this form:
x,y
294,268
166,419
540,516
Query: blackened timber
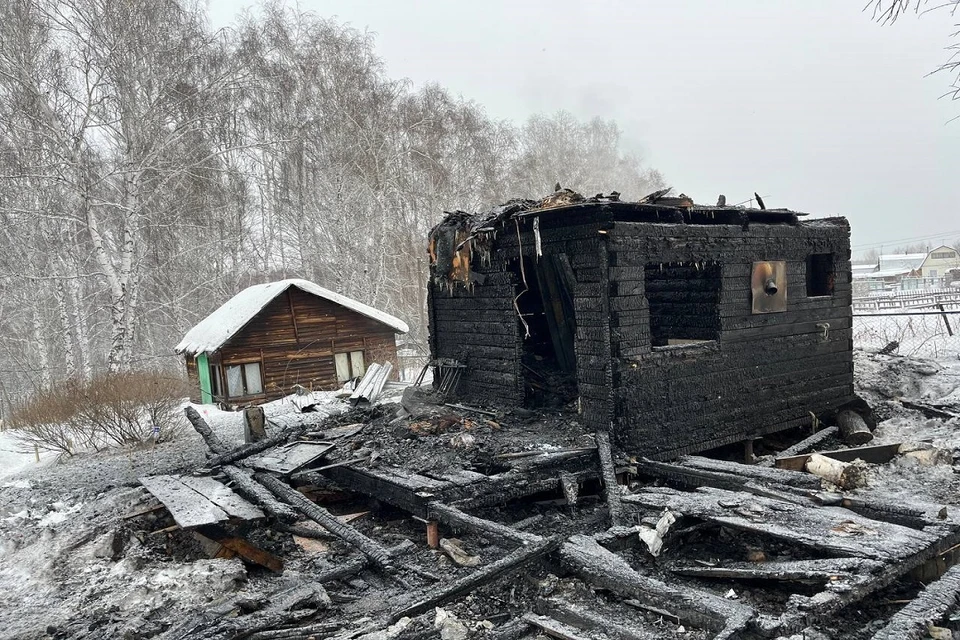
x,y
213,441
456,519
811,527
938,598
553,628
807,444
376,553
244,483
820,571
609,474
754,472
514,560
356,565
247,450
603,568
590,619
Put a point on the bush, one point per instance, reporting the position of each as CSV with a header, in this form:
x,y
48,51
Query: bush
x,y
111,410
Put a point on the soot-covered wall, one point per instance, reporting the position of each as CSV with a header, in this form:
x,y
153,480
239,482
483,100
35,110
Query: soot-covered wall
x,y
666,349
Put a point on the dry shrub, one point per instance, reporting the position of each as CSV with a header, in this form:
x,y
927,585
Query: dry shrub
x,y
111,410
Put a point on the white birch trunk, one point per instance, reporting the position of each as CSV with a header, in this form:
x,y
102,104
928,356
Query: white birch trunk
x,y
40,351
80,323
66,333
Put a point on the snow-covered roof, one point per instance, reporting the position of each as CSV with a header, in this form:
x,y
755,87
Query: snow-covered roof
x,y
902,261
221,325
863,268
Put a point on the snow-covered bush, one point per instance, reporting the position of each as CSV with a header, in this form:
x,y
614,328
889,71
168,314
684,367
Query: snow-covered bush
x,y
111,410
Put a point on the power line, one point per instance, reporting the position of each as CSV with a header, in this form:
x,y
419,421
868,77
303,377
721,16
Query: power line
x,y
885,242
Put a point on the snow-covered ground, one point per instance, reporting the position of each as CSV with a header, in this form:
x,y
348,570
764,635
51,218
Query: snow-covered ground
x,y
922,335
61,521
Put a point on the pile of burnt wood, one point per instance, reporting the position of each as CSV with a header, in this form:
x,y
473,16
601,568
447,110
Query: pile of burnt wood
x,y
571,543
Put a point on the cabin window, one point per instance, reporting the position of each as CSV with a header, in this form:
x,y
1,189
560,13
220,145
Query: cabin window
x,y
943,255
820,274
684,302
243,379
216,384
349,365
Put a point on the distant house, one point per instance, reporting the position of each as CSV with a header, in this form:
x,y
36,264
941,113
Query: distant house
x,y
939,261
270,337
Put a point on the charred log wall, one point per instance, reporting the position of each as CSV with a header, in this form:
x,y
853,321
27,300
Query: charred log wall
x,y
765,372
480,326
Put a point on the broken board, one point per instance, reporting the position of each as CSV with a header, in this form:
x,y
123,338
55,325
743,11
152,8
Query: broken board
x,y
194,502
290,457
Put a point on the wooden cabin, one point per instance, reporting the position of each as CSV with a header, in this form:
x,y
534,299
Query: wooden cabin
x,y
679,328
269,338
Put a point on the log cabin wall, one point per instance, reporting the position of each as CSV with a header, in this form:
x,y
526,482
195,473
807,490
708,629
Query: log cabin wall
x,y
702,370
761,372
295,338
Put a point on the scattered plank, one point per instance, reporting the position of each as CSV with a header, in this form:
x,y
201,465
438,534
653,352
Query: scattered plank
x,y
765,475
458,520
930,411
609,474
288,458
831,529
188,508
143,512
910,623
806,445
874,454
809,571
514,560
553,628
603,568
356,565
589,619
220,495
377,554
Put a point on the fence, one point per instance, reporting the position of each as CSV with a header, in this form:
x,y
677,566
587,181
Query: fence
x,y
921,333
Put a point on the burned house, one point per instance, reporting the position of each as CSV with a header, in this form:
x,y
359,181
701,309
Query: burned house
x,y
271,337
677,327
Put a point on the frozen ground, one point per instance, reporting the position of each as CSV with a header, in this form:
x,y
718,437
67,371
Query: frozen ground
x,y
923,335
72,567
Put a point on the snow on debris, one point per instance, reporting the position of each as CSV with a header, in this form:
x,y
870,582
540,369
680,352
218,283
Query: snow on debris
x,y
221,325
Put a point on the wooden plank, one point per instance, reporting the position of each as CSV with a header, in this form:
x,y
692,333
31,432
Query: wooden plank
x,y
553,628
243,548
806,445
831,529
821,571
910,623
188,508
874,454
288,458
223,497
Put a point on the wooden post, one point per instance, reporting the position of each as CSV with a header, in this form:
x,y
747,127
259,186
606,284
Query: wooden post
x,y
433,534
36,453
254,425
748,455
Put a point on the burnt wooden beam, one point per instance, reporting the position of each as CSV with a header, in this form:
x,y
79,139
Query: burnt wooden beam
x,y
553,628
457,519
213,441
609,474
242,548
603,568
356,565
588,619
806,445
371,549
938,598
812,571
247,450
752,472
810,526
516,559
244,483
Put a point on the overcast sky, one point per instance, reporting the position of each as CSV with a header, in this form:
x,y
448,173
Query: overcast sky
x,y
809,103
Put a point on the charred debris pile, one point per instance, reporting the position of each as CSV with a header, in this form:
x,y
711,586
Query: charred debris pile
x,y
422,518
544,483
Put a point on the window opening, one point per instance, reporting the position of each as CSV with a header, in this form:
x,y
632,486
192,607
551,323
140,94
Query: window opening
x,y
820,274
684,302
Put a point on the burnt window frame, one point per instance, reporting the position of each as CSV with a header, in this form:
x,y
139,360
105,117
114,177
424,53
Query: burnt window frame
x,y
694,343
815,285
